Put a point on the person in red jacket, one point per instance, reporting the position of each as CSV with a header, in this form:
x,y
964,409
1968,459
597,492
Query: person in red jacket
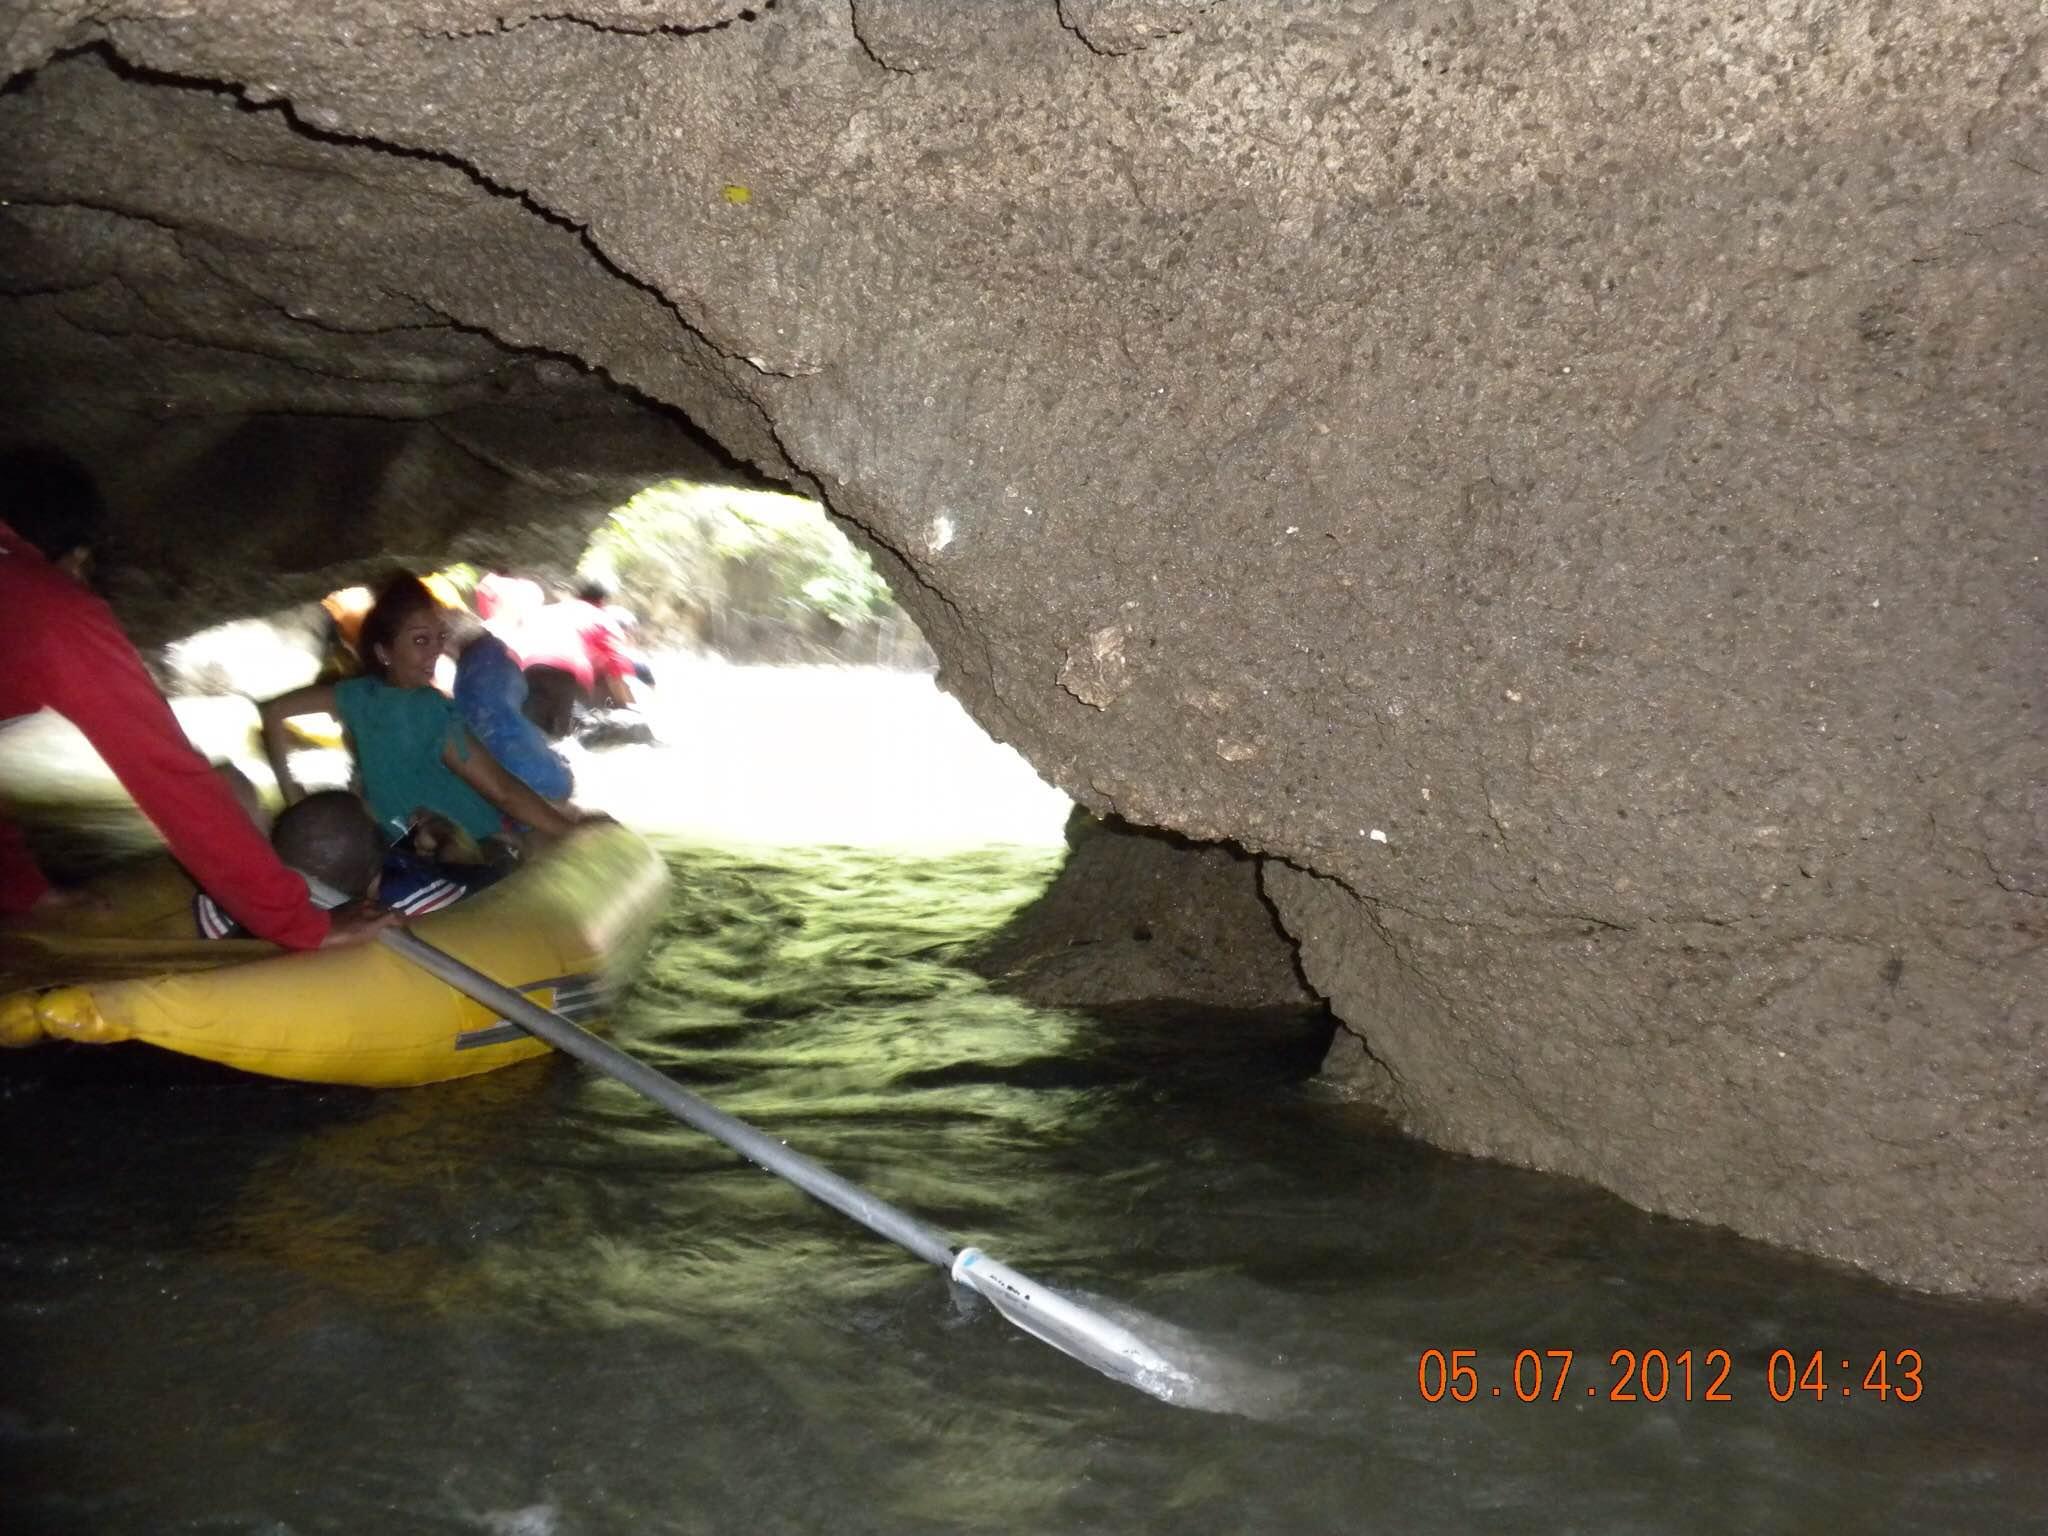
x,y
62,649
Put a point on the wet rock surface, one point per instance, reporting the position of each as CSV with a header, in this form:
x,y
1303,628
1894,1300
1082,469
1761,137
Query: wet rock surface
x,y
1563,487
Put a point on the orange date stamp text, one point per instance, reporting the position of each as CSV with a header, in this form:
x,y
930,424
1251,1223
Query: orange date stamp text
x,y
1660,1375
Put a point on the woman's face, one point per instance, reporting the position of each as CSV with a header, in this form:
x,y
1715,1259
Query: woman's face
x,y
409,658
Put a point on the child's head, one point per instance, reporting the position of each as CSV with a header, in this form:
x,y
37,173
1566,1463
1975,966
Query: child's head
x,y
402,633
331,837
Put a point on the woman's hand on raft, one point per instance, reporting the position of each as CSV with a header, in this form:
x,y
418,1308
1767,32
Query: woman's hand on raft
x,y
358,923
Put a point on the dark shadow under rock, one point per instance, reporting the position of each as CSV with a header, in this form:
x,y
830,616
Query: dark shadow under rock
x,y
1137,915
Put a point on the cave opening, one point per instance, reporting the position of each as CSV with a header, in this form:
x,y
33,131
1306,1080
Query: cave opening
x,y
782,696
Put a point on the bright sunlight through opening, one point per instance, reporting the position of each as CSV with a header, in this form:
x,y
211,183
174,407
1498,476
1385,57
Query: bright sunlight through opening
x,y
791,700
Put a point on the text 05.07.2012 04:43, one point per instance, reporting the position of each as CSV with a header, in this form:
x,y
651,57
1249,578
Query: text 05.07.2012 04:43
x,y
1656,1376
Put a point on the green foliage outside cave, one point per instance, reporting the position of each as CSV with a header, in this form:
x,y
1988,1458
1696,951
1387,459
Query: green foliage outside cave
x,y
754,576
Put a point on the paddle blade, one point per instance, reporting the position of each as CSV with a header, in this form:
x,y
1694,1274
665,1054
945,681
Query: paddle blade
x,y
1086,1334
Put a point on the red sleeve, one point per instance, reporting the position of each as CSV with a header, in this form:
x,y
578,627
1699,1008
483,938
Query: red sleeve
x,y
94,679
603,645
21,882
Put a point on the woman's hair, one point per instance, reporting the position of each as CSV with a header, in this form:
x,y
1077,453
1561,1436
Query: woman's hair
x,y
399,596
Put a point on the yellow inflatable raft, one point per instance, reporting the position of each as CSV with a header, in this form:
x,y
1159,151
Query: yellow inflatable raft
x,y
567,930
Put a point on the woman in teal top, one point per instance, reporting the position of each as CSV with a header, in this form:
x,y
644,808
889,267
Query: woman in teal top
x,y
401,737
415,755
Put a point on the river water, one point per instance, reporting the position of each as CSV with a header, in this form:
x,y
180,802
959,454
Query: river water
x,y
530,1305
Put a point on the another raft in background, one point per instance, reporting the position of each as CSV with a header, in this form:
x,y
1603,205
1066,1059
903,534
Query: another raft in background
x,y
568,930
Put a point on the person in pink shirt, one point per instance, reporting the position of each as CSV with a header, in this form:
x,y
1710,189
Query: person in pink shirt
x,y
577,636
503,601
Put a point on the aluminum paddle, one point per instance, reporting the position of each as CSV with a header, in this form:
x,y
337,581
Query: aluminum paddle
x,y
1039,1310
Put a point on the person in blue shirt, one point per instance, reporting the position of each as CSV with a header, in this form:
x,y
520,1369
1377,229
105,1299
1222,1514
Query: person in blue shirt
x,y
491,695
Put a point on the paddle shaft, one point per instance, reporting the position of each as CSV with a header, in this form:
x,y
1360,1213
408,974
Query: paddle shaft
x,y
756,1146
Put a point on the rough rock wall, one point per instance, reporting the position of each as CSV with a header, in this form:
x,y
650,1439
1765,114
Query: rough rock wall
x,y
292,360
1567,480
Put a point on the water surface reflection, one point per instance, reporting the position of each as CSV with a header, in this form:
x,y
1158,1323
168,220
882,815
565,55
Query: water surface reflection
x,y
531,1303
